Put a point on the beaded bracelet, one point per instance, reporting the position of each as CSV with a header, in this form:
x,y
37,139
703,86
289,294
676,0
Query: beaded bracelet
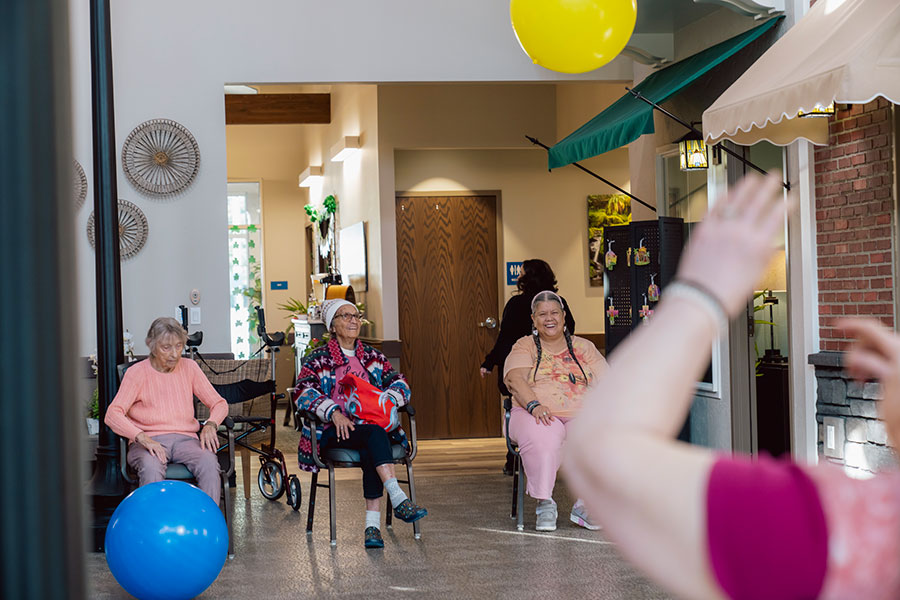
x,y
531,406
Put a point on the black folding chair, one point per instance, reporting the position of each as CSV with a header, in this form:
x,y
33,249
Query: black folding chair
x,y
180,472
342,458
518,493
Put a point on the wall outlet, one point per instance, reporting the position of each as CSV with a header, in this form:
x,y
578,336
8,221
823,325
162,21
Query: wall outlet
x,y
194,315
833,436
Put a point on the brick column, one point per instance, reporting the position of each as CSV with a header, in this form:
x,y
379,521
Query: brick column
x,y
855,247
854,212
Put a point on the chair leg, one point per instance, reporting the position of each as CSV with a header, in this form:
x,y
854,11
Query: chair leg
x,y
332,501
515,487
520,475
417,533
228,507
388,514
312,503
245,469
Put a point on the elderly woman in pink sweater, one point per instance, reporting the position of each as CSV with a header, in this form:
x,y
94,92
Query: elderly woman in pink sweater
x,y
155,410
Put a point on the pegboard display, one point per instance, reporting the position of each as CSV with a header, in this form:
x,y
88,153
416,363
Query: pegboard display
x,y
628,282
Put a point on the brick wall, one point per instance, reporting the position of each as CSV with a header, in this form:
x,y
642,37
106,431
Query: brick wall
x,y
854,212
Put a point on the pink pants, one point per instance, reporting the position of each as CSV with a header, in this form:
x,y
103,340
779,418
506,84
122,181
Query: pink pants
x,y
541,449
180,448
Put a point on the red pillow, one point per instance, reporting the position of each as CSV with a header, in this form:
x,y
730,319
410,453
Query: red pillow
x,y
366,403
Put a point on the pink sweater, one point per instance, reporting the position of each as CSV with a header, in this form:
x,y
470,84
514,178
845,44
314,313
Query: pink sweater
x,y
157,403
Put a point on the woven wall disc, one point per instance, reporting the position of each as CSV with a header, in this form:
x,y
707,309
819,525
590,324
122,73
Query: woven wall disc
x,y
79,185
160,157
133,229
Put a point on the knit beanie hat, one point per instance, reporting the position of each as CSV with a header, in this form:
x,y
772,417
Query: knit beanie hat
x,y
330,308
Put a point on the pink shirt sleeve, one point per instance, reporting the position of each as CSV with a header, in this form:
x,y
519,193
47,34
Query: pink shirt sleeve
x,y
522,355
207,394
117,412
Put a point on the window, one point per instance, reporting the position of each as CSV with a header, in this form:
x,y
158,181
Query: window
x,y
244,258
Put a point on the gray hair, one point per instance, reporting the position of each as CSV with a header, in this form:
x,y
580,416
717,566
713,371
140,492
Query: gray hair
x,y
546,296
162,327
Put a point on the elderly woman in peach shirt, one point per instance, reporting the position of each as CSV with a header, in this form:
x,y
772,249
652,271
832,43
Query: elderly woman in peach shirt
x,y
154,408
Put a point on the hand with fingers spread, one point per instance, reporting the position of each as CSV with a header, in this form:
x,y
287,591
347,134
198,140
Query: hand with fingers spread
x,y
153,447
731,248
875,354
209,440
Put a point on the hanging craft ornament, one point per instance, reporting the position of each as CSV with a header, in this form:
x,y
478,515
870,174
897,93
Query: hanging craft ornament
x,y
628,258
642,255
645,311
611,312
133,229
79,184
610,257
160,157
653,290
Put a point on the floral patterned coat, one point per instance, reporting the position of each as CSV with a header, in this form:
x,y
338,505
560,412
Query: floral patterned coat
x,y
317,380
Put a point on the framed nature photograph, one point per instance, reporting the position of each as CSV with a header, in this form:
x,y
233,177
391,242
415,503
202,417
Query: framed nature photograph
x,y
604,210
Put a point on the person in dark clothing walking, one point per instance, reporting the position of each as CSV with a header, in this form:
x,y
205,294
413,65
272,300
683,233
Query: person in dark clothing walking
x,y
536,276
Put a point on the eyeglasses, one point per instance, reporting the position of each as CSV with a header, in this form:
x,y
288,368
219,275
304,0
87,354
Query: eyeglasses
x,y
347,317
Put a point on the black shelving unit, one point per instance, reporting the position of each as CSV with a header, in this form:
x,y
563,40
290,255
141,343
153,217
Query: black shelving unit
x,y
627,283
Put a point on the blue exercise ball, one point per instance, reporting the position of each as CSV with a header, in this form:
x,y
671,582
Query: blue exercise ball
x,y
166,541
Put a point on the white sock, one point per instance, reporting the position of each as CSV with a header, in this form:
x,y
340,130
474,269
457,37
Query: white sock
x,y
373,519
393,489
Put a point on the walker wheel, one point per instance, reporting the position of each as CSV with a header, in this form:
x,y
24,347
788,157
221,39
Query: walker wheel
x,y
294,493
271,483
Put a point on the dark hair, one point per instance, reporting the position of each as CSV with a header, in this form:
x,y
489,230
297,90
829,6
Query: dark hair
x,y
536,276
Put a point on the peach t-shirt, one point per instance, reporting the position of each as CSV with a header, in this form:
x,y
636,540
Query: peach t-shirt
x,y
558,383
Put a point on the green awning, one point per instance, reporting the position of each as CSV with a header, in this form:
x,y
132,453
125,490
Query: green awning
x,y
630,118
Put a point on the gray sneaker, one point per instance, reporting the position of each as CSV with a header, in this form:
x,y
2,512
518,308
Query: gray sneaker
x,y
546,516
579,516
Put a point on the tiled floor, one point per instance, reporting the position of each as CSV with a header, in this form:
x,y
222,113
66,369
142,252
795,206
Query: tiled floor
x,y
469,548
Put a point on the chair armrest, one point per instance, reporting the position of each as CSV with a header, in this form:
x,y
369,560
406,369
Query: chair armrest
x,y
123,462
413,443
313,421
507,403
408,409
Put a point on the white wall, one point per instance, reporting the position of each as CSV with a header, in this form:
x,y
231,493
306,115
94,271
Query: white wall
x,y
171,59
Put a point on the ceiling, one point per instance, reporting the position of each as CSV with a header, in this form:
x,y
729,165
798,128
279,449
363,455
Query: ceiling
x,y
667,16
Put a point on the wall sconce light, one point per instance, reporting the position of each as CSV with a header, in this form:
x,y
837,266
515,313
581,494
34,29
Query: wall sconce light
x,y
310,175
692,153
818,111
346,146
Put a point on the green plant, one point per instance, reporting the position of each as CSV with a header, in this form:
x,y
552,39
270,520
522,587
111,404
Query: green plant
x,y
293,307
93,411
329,206
253,293
315,343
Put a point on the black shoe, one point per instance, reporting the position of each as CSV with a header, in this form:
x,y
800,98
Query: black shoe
x,y
508,468
408,512
373,538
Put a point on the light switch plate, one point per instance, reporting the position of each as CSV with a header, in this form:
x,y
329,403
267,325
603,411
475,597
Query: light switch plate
x,y
194,315
833,434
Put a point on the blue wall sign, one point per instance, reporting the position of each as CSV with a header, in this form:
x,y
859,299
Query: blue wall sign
x,y
278,285
513,270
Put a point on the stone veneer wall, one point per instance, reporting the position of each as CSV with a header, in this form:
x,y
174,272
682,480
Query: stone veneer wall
x,y
855,405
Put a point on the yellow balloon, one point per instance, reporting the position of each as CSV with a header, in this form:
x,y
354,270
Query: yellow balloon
x,y
573,36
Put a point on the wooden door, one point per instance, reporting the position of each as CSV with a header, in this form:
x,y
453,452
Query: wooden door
x,y
447,272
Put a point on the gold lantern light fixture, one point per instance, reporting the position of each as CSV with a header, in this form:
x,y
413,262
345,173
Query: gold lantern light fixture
x,y
692,154
818,111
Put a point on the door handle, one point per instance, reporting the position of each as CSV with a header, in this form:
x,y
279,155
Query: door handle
x,y
488,323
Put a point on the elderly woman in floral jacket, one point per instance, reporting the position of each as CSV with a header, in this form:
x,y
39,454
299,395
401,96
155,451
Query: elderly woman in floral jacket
x,y
317,390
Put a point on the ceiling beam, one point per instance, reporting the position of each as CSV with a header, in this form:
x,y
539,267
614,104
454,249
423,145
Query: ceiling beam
x,y
277,109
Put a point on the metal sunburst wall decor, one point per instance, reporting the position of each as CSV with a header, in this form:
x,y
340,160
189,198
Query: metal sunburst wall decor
x,y
133,229
160,157
79,184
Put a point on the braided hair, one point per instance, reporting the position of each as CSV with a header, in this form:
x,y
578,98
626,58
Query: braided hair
x,y
549,296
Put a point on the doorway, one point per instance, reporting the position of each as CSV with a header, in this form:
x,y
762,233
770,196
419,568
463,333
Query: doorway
x,y
447,277
760,341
